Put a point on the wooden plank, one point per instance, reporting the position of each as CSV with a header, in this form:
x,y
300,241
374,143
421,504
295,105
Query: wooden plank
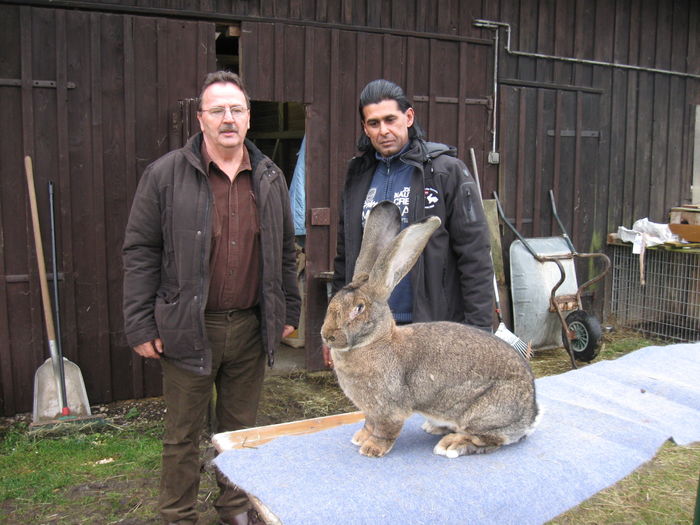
x,y
577,197
80,148
675,190
520,171
36,350
545,39
563,42
508,110
134,367
463,144
394,59
539,156
603,77
95,331
565,194
355,47
11,173
589,239
527,40
309,43
117,42
277,57
659,149
262,87
402,14
644,128
293,75
320,245
556,173
64,213
549,112
584,20
258,436
150,135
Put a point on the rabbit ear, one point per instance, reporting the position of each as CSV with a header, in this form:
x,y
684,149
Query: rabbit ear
x,y
382,225
400,256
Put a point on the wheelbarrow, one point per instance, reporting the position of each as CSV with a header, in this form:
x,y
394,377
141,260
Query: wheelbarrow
x,y
580,331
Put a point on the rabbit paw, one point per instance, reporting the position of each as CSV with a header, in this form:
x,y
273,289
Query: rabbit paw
x,y
455,445
437,430
361,436
375,447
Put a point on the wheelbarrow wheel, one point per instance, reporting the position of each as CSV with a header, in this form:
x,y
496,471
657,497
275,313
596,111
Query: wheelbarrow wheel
x,y
587,331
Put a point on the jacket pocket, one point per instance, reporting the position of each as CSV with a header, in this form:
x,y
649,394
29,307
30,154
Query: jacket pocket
x,y
466,191
173,326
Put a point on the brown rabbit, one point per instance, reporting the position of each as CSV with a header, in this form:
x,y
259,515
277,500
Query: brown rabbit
x,y
470,385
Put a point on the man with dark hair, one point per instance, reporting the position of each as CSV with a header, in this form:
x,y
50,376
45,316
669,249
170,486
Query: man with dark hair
x,y
453,279
209,286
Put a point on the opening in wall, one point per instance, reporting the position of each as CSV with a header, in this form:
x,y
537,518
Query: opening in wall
x,y
227,38
277,128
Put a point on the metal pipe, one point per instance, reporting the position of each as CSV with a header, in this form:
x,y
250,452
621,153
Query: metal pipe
x,y
493,157
494,25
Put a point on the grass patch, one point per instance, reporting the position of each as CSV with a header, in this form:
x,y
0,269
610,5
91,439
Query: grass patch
x,y
661,491
37,468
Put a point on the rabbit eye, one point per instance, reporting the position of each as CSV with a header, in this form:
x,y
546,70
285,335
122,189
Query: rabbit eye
x,y
357,310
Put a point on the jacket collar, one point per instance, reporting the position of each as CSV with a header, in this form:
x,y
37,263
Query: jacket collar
x,y
193,147
418,152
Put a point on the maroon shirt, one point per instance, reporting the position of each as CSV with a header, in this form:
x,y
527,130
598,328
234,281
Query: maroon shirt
x,y
235,251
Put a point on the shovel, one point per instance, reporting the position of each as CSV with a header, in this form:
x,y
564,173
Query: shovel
x,y
59,390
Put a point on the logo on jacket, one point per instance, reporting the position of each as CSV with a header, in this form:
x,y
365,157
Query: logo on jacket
x,y
431,197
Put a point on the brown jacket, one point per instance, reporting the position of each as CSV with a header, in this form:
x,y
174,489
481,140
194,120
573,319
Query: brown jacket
x,y
166,254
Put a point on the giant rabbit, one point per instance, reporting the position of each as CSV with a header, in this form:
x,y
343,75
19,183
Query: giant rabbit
x,y
472,387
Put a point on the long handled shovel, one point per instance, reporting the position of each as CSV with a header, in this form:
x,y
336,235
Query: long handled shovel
x,y
65,409
502,331
59,390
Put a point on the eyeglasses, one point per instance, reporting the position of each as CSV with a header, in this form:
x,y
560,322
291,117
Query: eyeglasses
x,y
218,112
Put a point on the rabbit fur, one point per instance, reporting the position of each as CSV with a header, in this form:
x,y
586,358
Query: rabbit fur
x,y
473,388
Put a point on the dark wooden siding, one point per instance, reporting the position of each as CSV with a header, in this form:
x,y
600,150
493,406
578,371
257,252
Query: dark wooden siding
x,y
98,115
452,105
120,66
639,164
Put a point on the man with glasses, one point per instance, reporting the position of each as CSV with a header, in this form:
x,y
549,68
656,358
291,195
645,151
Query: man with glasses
x,y
209,286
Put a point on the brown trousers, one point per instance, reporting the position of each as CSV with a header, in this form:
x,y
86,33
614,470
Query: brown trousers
x,y
238,369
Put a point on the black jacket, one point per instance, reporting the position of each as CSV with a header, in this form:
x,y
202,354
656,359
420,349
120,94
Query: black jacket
x,y
166,254
453,278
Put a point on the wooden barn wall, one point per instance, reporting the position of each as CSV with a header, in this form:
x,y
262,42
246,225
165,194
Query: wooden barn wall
x,y
614,144
88,96
452,105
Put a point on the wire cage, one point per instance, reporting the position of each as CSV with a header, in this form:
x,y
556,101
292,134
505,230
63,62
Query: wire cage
x,y
664,301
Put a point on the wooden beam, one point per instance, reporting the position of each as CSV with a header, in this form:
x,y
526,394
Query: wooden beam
x,y
256,436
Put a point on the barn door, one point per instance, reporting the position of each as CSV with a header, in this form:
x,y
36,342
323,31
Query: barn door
x,y
89,96
550,140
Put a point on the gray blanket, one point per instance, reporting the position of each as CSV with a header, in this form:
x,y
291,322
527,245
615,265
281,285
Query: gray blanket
x,y
599,423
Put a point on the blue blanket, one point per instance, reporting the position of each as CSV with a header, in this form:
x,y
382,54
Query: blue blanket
x,y
598,424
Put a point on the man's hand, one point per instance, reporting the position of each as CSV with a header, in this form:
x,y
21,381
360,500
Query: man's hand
x,y
327,359
150,349
287,330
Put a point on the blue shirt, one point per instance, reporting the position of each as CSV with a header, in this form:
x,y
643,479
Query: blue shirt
x,y
392,182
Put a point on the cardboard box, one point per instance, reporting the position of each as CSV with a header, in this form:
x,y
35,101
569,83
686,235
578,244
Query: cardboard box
x,y
685,215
